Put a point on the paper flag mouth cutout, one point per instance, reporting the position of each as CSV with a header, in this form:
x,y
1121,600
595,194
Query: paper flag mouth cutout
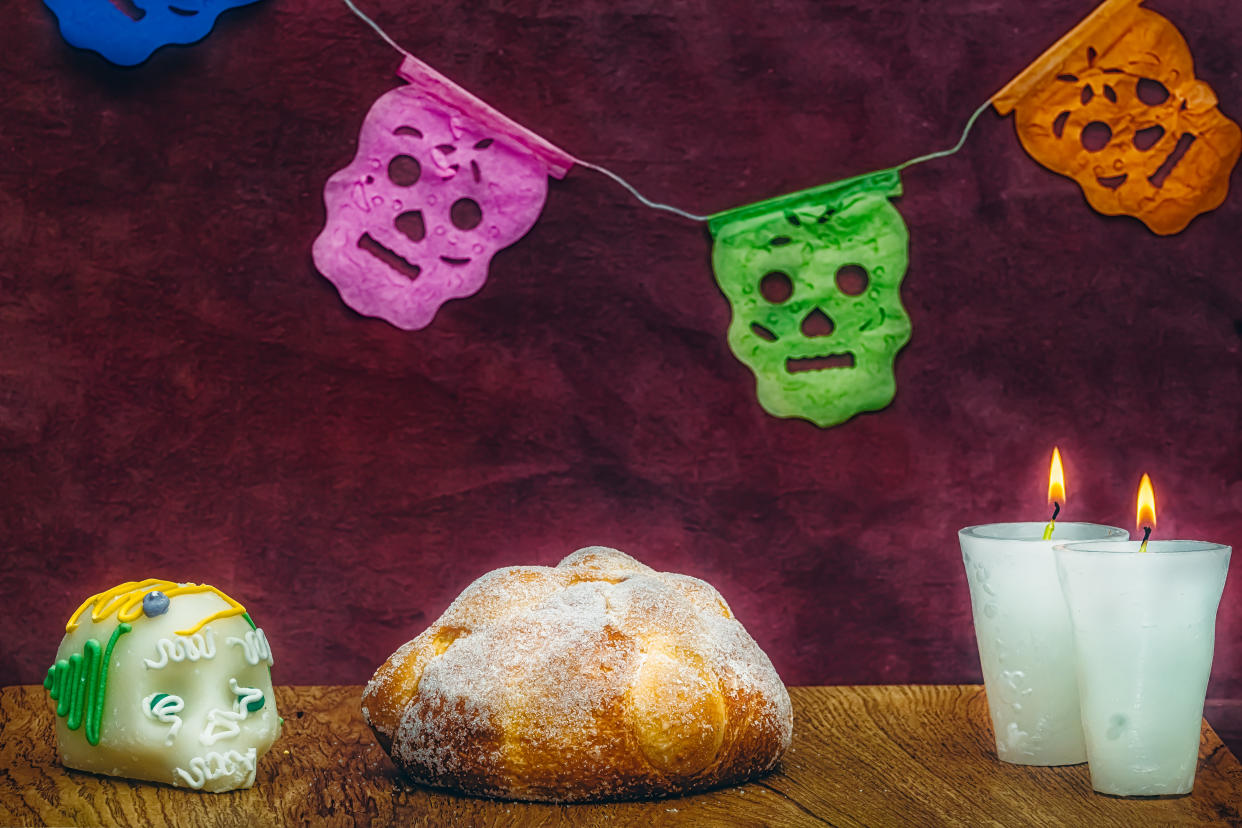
x,y
814,281
128,31
1115,105
440,183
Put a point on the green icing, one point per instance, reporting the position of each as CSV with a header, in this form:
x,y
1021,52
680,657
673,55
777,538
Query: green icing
x,y
84,682
92,734
253,625
254,706
57,674
78,685
68,680
821,348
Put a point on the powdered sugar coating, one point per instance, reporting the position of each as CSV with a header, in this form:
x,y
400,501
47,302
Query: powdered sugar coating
x,y
599,678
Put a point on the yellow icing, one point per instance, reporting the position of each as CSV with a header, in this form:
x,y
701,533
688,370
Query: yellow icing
x,y
126,601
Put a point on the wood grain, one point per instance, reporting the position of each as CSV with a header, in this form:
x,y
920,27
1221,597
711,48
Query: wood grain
x,y
894,755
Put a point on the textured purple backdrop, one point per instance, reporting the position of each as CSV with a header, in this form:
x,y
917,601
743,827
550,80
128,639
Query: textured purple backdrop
x,y
182,395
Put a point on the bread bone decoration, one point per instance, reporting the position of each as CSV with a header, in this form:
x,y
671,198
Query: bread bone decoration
x,y
166,682
597,679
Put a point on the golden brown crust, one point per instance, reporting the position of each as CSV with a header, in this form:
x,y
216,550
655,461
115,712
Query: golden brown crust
x,y
596,679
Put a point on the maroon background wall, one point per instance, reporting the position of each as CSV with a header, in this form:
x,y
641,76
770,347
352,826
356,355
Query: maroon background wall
x,y
182,395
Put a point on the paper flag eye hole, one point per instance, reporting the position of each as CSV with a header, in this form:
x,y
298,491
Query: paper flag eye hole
x,y
776,287
404,170
1151,92
466,214
1058,126
1145,139
127,8
852,280
1096,135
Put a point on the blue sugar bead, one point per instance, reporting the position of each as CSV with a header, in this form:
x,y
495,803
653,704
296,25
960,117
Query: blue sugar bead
x,y
154,603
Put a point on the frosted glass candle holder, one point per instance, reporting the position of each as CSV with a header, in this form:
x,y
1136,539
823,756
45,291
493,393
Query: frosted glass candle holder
x,y
1025,642
1144,631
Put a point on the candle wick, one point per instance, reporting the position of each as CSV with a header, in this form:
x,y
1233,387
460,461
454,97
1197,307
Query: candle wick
x,y
1052,524
1146,535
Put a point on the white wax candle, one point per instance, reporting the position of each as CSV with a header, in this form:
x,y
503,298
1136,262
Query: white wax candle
x,y
1025,644
1144,629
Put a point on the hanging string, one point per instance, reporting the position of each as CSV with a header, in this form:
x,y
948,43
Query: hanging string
x,y
970,123
376,27
654,205
630,187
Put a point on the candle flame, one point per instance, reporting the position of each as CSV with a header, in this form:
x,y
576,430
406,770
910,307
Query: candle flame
x,y
1146,514
1056,478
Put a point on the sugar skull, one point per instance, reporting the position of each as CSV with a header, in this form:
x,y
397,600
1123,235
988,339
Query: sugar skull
x,y
126,32
165,682
441,182
814,282
1115,105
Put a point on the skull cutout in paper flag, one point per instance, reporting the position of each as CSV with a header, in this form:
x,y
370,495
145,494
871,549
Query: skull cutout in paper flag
x,y
814,281
1115,105
126,32
441,182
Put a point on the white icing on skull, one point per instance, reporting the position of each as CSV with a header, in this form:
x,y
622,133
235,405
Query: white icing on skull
x,y
186,687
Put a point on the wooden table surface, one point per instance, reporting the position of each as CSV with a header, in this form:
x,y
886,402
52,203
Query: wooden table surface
x,y
893,755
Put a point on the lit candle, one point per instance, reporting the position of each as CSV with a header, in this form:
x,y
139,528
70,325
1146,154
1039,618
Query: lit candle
x,y
1144,630
1145,510
1023,631
1056,491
